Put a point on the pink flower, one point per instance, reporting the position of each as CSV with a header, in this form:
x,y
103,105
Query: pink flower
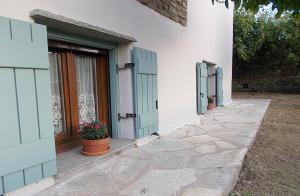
x,y
83,123
87,125
97,126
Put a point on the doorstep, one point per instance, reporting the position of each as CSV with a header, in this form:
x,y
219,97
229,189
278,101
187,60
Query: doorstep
x,y
72,162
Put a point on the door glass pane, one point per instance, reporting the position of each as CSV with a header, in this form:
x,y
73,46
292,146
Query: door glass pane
x,y
86,85
56,92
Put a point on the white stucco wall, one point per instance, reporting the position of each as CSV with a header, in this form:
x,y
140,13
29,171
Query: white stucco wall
x,y
208,35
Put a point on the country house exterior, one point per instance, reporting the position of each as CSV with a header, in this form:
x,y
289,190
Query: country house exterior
x,y
141,66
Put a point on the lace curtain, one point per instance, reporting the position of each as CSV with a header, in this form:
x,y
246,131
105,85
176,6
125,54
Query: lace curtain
x,y
56,92
85,73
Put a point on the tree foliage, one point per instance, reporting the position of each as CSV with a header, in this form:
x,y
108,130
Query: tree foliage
x,y
248,35
265,42
291,6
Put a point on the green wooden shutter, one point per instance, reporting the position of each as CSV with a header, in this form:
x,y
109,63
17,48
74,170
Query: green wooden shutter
x,y
219,78
27,149
201,78
145,89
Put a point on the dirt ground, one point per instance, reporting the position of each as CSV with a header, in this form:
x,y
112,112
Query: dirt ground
x,y
272,166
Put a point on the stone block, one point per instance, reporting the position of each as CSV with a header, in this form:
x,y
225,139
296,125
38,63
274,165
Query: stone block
x,y
175,10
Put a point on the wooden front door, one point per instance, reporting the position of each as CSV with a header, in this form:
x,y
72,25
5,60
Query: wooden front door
x,y
79,90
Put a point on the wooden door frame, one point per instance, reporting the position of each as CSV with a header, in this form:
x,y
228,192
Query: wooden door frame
x,y
61,137
69,137
58,35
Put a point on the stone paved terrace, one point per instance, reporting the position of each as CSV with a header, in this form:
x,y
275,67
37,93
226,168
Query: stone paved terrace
x,y
202,158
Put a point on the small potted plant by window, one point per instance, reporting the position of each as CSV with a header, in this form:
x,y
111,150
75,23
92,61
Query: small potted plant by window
x,y
211,103
94,138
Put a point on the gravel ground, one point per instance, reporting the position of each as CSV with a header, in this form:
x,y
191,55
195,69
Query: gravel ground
x,y
272,166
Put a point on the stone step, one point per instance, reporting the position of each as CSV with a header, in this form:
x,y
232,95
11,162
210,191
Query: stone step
x,y
71,163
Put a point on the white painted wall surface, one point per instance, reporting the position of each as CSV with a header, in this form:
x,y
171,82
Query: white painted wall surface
x,y
208,35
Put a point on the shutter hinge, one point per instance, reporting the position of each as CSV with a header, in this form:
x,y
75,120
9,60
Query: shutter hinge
x,y
126,66
156,134
156,104
126,116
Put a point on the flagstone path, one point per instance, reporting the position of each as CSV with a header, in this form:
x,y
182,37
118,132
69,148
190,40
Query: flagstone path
x,y
201,158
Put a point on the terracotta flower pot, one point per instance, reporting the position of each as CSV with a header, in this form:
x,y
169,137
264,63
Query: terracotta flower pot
x,y
95,147
211,106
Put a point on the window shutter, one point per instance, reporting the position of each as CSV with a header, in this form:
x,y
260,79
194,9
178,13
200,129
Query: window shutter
x,y
145,90
27,149
201,78
219,72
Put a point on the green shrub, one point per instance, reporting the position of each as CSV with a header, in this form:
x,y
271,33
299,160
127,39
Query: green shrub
x,y
266,52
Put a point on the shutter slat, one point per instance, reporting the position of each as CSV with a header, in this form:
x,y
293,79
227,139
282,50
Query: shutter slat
x,y
219,72
33,174
13,181
1,186
24,40
9,109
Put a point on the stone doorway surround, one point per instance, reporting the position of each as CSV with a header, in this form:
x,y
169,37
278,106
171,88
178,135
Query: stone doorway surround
x,y
203,158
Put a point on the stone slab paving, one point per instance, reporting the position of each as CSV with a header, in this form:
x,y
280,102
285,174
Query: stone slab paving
x,y
201,158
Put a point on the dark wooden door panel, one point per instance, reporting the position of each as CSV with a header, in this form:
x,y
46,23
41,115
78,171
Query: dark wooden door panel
x,y
73,94
102,89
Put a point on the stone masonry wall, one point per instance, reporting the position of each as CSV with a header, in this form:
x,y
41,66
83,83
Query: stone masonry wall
x,y
176,10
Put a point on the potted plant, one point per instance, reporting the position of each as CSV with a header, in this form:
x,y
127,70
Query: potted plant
x,y
94,138
211,103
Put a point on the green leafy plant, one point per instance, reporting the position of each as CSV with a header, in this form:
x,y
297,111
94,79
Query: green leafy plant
x,y
248,35
265,44
93,131
211,99
282,6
